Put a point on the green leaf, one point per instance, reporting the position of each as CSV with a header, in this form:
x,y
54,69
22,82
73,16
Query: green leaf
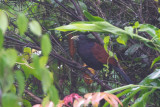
x,y
129,29
27,53
45,101
47,80
82,5
1,39
158,9
26,103
111,53
129,97
95,26
154,75
80,26
11,57
30,70
3,21
150,29
122,39
103,26
106,42
90,17
36,62
43,61
151,78
54,96
136,25
106,39
10,100
35,28
155,60
13,89
21,82
22,23
46,45
7,82
141,101
131,50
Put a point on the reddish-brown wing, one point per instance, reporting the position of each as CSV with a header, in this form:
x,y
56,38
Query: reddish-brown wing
x,y
101,55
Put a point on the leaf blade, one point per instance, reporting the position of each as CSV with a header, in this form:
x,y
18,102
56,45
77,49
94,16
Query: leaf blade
x,y
35,28
3,21
22,23
46,45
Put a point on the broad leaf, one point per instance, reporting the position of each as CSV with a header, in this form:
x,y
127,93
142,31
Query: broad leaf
x,y
150,29
82,5
141,101
35,28
131,50
36,62
11,57
129,97
136,25
129,29
103,26
122,39
3,21
43,61
47,80
27,53
1,39
10,100
53,91
46,45
45,101
21,82
90,17
155,60
150,78
155,74
22,23
26,103
30,70
7,82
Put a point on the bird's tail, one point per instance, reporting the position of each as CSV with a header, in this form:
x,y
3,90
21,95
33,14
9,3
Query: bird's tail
x,y
123,74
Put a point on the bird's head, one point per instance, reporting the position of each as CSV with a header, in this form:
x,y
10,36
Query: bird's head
x,y
79,37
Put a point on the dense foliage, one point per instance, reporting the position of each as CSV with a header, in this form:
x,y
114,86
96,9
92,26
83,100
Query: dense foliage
x,y
39,63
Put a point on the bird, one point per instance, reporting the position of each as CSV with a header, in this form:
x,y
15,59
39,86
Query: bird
x,y
95,56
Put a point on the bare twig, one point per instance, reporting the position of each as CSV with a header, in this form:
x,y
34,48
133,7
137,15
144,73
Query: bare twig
x,y
73,15
37,100
79,12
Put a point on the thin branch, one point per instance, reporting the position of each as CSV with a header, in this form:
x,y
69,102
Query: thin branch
x,y
73,15
37,100
79,12
35,41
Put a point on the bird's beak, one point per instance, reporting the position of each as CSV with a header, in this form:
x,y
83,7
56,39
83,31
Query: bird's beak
x,y
75,38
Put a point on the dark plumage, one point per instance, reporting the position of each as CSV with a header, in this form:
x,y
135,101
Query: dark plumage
x,y
94,55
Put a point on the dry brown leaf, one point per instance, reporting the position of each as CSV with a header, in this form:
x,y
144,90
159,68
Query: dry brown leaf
x,y
87,78
90,98
112,100
95,99
60,104
79,102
